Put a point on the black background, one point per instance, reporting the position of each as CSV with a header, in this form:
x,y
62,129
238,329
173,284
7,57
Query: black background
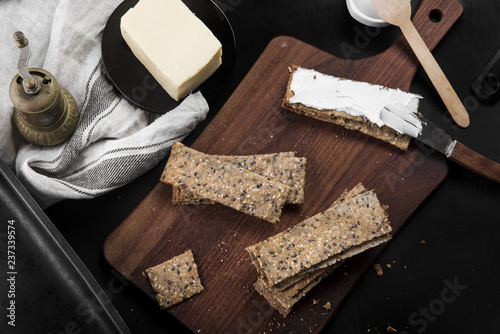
x,y
460,222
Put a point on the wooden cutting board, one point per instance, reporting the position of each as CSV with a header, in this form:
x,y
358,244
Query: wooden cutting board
x,y
252,122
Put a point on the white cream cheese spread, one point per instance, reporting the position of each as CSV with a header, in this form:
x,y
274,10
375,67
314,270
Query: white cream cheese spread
x,y
325,92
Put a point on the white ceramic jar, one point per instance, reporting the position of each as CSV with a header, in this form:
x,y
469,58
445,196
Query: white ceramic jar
x,y
362,11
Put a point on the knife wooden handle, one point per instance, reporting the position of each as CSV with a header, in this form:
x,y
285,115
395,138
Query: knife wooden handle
x,y
475,162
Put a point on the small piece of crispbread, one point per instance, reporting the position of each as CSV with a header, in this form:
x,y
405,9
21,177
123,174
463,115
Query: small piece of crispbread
x,y
175,280
346,120
208,177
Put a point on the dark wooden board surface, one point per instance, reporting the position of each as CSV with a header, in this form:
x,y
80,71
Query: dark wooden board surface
x,y
251,122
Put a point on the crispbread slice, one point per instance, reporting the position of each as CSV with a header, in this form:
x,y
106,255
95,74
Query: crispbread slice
x,y
346,120
347,224
208,177
282,167
175,280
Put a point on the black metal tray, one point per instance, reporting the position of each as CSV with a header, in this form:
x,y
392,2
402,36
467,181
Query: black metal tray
x,y
45,287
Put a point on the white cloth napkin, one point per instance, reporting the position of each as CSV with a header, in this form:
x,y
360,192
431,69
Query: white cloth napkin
x,y
114,142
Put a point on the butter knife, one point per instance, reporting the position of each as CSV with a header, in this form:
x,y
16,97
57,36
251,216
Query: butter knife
x,y
416,126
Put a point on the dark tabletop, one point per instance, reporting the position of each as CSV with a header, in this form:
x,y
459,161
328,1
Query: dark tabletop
x,y
447,285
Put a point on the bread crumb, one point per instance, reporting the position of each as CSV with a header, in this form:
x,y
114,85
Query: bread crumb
x,y
315,302
327,306
378,269
422,242
391,330
388,266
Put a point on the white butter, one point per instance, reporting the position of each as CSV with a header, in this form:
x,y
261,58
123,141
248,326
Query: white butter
x,y
325,92
172,43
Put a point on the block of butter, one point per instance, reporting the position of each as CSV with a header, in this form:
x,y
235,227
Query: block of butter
x,y
174,45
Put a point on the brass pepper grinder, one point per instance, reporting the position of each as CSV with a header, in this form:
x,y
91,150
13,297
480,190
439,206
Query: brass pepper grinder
x,y
44,113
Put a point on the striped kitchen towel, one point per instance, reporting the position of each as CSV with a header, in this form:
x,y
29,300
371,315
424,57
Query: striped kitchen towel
x,y
114,142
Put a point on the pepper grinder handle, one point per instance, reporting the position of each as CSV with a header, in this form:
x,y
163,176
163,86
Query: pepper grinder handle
x,y
31,84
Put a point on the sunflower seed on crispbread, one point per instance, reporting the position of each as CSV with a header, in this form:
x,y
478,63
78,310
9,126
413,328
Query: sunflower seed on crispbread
x,y
175,280
208,177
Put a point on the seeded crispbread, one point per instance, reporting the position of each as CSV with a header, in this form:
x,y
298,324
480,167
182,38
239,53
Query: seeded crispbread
x,y
208,177
184,197
282,302
175,280
347,224
286,297
346,120
282,167
292,172
288,273
358,189
294,283
297,281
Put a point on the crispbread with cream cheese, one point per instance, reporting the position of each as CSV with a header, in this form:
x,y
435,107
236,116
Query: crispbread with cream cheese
x,y
346,120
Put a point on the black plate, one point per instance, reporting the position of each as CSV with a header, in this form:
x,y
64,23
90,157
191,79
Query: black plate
x,y
45,287
134,81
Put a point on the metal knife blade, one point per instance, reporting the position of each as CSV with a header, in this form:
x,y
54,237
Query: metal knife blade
x,y
416,126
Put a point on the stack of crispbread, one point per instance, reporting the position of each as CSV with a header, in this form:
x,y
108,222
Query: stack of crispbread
x,y
258,185
292,262
344,119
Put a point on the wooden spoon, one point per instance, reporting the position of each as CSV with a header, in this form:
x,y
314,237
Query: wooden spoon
x,y
398,13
